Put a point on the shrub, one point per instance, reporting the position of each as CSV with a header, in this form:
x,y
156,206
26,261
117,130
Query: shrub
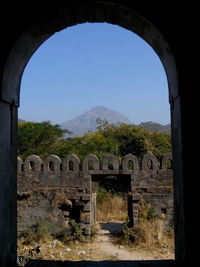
x,y
150,232
102,195
76,231
147,211
72,233
39,231
94,229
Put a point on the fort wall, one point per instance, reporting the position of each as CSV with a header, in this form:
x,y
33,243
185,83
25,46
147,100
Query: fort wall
x,y
56,190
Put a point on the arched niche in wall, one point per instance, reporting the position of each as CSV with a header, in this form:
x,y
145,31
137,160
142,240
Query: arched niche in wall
x,y
90,162
130,158
32,165
110,162
52,164
71,163
166,162
149,162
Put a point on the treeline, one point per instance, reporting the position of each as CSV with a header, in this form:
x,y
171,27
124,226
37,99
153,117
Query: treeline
x,y
45,138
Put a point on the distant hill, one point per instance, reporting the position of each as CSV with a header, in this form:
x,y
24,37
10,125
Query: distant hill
x,y
21,121
154,126
87,121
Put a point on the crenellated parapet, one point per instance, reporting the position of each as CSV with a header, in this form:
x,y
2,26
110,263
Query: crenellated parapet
x,y
72,172
111,164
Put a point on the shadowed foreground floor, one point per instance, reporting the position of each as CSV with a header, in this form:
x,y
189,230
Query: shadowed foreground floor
x,y
41,263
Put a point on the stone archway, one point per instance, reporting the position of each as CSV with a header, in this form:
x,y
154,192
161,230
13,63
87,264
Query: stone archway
x,y
27,42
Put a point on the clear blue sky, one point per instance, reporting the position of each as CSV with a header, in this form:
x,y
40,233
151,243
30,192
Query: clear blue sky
x,y
94,64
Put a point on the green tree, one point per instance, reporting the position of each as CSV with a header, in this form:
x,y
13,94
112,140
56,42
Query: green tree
x,y
128,138
119,139
161,143
89,143
39,138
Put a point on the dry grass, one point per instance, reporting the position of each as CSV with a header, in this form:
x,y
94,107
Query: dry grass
x,y
153,230
114,208
151,233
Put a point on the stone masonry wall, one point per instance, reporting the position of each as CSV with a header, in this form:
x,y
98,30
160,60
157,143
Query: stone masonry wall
x,y
55,190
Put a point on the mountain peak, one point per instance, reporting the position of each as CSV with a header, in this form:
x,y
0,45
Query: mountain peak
x,y
87,121
98,108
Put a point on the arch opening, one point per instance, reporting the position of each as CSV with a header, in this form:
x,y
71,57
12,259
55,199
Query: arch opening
x,y
130,165
71,165
31,166
51,166
109,165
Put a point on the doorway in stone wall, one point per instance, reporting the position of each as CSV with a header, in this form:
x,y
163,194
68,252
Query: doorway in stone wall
x,y
111,203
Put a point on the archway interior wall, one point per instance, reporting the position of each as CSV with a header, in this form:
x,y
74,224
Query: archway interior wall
x,y
44,187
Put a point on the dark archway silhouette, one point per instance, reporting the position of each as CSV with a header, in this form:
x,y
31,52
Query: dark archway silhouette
x,y
23,40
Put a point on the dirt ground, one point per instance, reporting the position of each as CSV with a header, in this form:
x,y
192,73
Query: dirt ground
x,y
104,246
106,249
101,248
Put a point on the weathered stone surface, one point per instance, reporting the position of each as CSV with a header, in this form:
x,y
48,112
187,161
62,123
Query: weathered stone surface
x,y
52,165
110,158
94,160
130,158
74,160
56,194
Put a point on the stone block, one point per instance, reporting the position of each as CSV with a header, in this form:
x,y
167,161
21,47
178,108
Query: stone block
x,y
85,220
86,207
136,197
87,231
85,197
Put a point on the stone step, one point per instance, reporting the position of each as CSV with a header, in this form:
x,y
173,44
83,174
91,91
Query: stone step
x,y
104,239
103,232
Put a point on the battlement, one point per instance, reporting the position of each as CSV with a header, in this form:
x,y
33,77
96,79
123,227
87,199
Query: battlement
x,y
33,165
